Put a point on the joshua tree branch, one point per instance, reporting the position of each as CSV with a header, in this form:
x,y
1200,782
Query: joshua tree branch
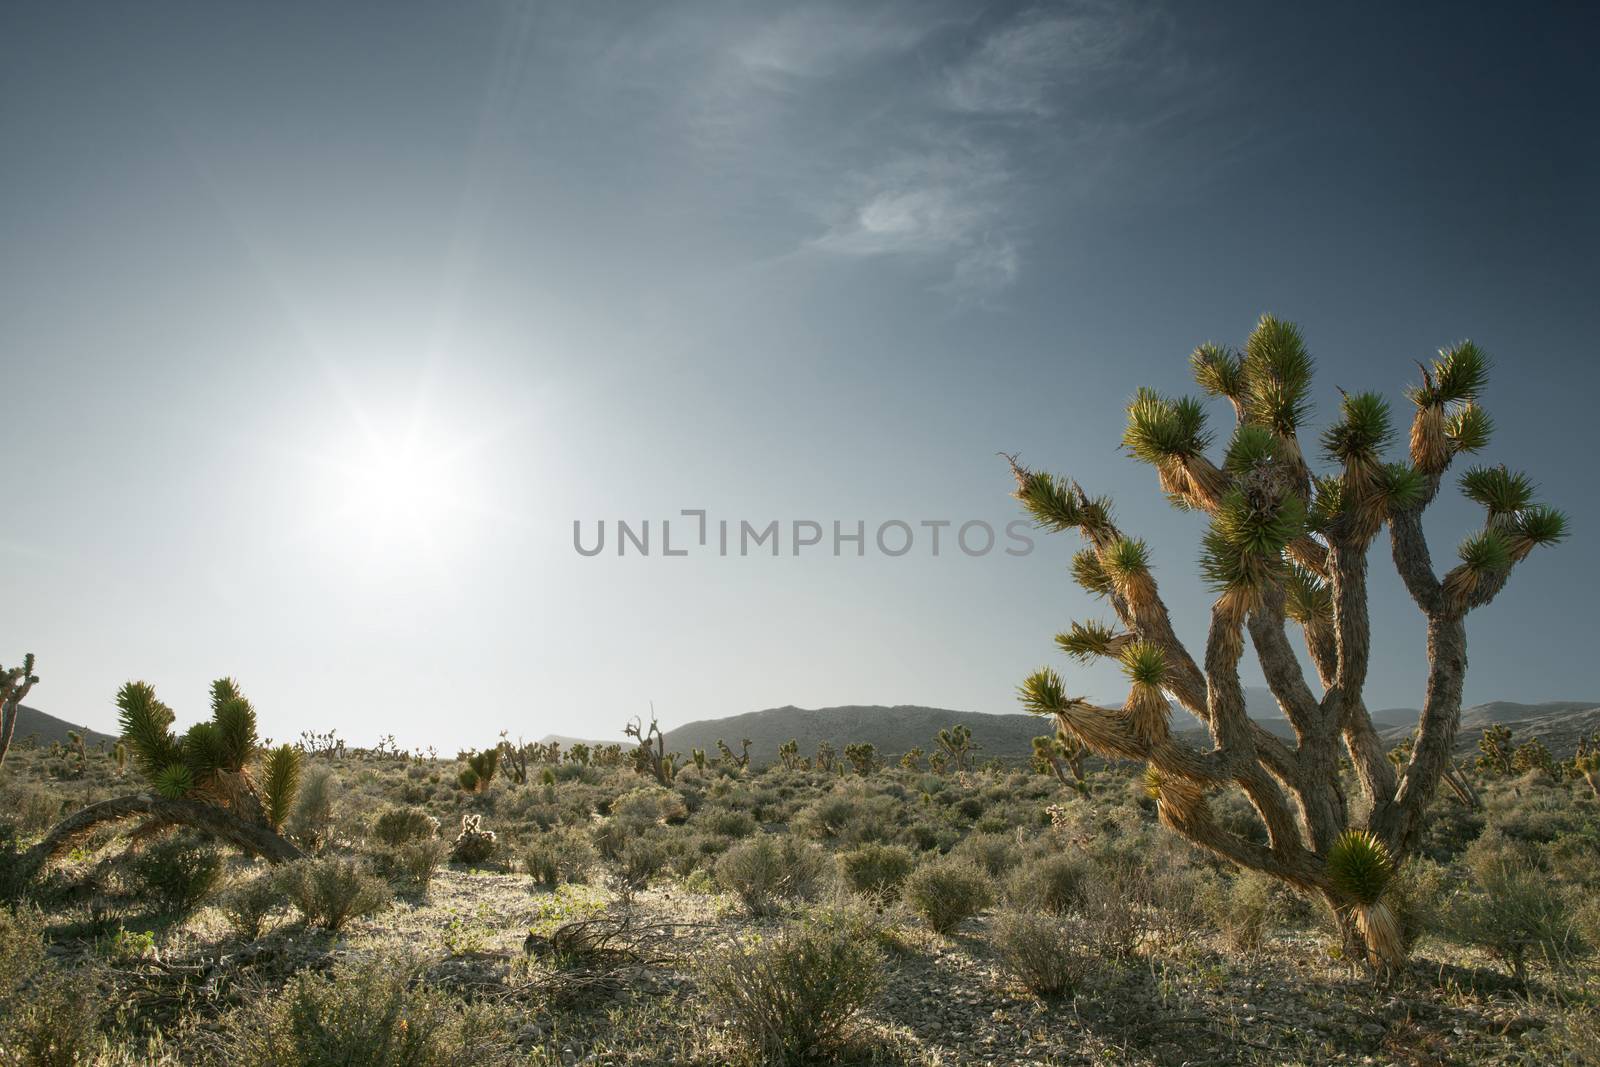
x,y
1399,822
248,837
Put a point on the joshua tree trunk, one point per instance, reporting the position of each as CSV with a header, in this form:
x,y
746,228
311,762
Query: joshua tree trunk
x,y
249,837
1284,546
14,685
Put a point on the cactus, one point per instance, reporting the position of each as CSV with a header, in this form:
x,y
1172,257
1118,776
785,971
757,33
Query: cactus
x,y
15,682
1286,545
473,844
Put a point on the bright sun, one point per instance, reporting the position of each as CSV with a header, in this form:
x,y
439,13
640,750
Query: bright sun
x,y
389,498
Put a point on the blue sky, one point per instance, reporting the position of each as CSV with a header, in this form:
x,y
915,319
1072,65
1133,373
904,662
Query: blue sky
x,y
321,325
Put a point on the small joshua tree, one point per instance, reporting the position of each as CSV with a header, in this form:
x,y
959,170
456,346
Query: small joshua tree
x,y
911,759
651,757
789,754
1285,545
956,744
863,757
1495,749
480,770
1586,762
826,757
14,685
1058,755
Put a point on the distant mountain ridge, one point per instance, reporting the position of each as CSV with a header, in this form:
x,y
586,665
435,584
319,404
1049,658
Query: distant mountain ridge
x,y
43,729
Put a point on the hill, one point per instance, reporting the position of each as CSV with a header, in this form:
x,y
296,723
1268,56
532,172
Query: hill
x,y
893,730
31,722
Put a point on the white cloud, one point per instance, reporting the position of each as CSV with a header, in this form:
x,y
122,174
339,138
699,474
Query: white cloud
x,y
821,41
1019,68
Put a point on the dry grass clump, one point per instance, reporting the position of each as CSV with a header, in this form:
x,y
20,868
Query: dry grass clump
x,y
1047,953
947,891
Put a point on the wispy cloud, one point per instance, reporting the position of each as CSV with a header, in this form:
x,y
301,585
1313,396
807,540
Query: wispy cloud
x,y
1022,66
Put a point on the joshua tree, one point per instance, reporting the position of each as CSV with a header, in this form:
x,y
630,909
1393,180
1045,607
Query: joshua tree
x,y
1532,755
911,760
215,777
651,756
1058,755
1495,746
789,754
14,685
826,756
515,756
956,743
480,769
1285,544
863,757
1586,762
697,756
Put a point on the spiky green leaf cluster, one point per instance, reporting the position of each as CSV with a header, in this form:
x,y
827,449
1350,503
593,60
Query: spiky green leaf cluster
x,y
146,725
1501,492
1218,371
1144,663
174,781
1363,430
1160,429
1251,447
1307,597
1401,485
1486,552
1041,693
1457,376
1277,374
1359,867
1090,575
1469,427
1087,640
280,783
1244,545
1126,559
1053,502
1542,525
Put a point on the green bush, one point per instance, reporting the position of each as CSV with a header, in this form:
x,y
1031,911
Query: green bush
x,y
179,872
876,870
415,864
1242,908
399,824
48,1017
791,998
947,891
248,905
995,853
1053,882
764,870
557,856
1518,915
1045,952
642,859
376,1013
330,891
311,822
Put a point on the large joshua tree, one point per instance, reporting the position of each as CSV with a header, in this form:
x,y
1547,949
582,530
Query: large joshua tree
x,y
214,777
1289,545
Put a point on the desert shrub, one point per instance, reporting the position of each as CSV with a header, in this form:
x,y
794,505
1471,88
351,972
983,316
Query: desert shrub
x,y
791,998
375,1013
557,856
727,822
877,870
415,863
1415,897
1047,953
1242,908
1114,902
311,823
177,873
649,805
330,891
848,817
248,905
930,836
30,808
1053,882
995,853
642,859
764,870
947,891
1517,915
48,1017
399,824
473,844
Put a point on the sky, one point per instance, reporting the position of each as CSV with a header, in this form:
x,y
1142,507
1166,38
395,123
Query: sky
x,y
321,325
